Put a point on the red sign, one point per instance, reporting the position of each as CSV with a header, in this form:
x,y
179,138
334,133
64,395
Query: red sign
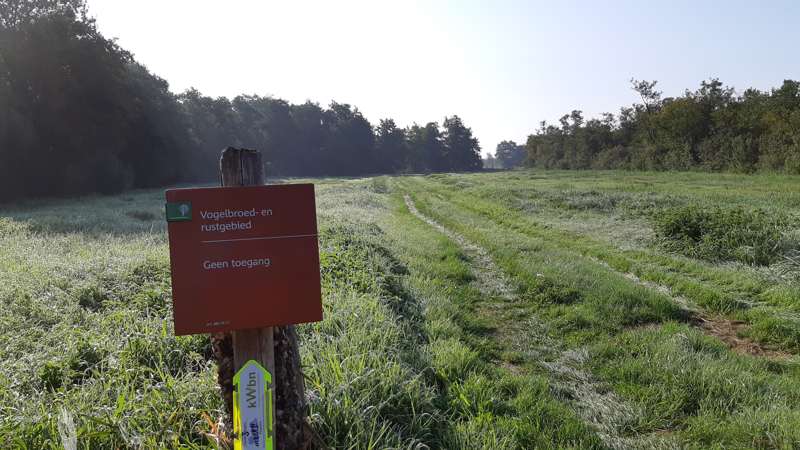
x,y
243,257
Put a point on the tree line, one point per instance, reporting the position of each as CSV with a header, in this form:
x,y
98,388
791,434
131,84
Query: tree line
x,y
80,115
712,128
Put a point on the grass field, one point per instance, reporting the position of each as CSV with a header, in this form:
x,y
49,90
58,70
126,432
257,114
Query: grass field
x,y
498,310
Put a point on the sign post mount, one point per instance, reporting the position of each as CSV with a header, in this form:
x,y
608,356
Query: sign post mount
x,y
245,267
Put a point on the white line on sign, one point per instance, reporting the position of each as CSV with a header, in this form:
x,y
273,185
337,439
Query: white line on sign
x,y
261,238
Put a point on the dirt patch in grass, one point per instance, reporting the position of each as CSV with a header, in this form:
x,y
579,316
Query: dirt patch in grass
x,y
726,330
511,367
729,332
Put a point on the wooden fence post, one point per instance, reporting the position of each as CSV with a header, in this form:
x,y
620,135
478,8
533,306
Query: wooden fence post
x,y
275,348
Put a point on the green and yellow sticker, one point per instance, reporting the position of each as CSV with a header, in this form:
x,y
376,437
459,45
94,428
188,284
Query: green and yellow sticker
x,y
252,408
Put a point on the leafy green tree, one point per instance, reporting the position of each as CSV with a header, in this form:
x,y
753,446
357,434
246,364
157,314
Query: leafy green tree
x,y
391,147
462,151
19,13
711,128
651,100
349,149
212,126
309,119
426,148
509,154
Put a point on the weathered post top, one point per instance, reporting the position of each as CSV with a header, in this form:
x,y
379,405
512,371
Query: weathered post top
x,y
241,167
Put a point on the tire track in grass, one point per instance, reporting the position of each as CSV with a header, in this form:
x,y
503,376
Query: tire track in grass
x,y
724,329
690,275
595,404
729,331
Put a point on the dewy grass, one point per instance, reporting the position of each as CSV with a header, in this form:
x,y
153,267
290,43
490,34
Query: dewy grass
x,y
398,362
412,352
692,389
597,407
750,236
737,290
494,407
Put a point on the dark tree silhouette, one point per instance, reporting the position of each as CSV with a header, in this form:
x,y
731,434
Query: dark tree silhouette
x,y
104,123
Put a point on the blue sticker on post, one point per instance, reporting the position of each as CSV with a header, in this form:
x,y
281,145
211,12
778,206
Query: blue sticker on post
x,y
252,408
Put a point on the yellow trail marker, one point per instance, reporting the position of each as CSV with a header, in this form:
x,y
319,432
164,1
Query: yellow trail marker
x,y
252,408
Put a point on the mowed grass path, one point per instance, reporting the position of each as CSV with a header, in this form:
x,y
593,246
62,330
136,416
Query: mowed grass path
x,y
418,349
572,241
401,360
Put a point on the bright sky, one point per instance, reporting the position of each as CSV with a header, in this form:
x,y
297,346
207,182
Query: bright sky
x,y
503,66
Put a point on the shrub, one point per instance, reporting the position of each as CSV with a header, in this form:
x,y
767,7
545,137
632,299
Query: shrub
x,y
616,157
723,234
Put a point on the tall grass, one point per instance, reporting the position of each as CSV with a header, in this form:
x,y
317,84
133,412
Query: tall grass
x,y
91,360
412,353
693,390
750,236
